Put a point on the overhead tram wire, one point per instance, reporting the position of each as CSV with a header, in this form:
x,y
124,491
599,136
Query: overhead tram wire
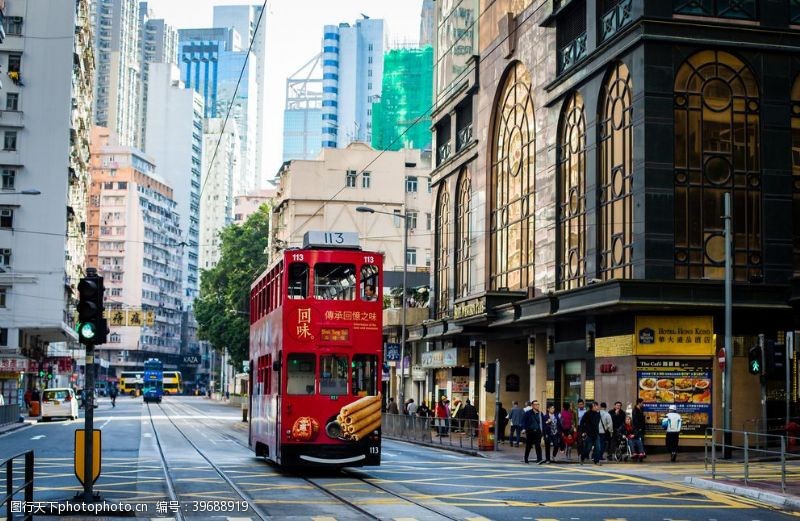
x,y
430,109
233,99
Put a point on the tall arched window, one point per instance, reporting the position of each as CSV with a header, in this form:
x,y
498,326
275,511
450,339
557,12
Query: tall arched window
x,y
442,253
716,151
796,175
512,182
615,232
572,195
463,233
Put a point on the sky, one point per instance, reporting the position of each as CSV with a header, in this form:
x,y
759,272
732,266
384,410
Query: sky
x,y
294,35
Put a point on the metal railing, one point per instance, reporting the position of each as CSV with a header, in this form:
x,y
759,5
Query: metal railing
x,y
779,426
753,455
27,484
450,432
9,414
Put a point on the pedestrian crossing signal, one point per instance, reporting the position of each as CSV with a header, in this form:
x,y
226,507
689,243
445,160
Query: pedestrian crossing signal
x,y
755,360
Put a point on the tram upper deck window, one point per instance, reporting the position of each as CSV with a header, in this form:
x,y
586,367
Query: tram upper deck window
x,y
332,375
369,282
334,281
365,375
298,280
300,373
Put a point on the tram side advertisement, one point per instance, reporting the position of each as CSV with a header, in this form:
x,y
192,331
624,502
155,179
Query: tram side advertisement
x,y
685,383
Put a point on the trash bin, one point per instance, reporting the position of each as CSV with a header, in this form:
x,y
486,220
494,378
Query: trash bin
x,y
34,411
486,436
244,409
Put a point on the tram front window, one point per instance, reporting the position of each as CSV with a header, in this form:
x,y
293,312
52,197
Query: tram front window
x,y
300,374
365,375
333,375
334,281
298,280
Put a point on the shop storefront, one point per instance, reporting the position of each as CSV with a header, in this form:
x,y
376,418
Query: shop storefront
x,y
451,373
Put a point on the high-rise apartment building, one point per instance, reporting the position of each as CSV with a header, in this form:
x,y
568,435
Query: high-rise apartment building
x,y
250,23
211,61
158,43
46,101
426,23
401,119
221,163
352,71
116,36
302,114
175,141
135,236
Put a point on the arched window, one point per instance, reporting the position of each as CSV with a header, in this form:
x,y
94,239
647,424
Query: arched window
x,y
716,151
443,253
512,181
796,175
615,232
463,234
572,195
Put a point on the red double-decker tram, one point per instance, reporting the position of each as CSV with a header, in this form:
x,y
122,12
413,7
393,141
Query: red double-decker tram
x,y
316,355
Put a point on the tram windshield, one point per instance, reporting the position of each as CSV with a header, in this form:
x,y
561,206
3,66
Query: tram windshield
x,y
333,375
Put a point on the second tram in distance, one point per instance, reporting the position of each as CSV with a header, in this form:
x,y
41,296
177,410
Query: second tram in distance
x,y
316,355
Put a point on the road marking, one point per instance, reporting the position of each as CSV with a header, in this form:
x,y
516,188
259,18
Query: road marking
x,y
39,437
104,424
323,519
146,435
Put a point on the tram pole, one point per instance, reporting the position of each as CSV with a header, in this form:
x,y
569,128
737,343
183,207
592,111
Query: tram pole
x,y
88,433
403,313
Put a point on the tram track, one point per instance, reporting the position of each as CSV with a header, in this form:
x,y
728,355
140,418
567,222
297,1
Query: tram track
x,y
352,474
171,489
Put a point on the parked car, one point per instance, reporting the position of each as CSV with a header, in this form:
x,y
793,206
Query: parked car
x,y
59,402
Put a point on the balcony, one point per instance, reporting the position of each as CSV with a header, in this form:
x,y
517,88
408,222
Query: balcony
x,y
571,53
442,153
463,137
615,19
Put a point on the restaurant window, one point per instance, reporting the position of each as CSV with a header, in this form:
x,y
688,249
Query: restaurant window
x,y
298,280
334,281
443,252
300,373
796,175
615,237
717,150
512,182
572,194
364,375
463,234
333,375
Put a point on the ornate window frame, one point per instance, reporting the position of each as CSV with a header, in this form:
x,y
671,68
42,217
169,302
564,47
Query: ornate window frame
x,y
443,252
463,235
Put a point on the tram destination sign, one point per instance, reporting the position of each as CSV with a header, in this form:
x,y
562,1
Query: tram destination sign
x,y
315,239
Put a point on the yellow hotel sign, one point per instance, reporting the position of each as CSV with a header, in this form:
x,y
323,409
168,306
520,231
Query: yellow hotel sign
x,y
674,336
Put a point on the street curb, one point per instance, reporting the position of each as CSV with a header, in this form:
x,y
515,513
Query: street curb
x,y
779,500
468,452
14,427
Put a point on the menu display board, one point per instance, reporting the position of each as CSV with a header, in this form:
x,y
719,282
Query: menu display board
x,y
685,383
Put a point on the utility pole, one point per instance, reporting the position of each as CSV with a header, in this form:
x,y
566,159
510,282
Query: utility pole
x,y
496,403
726,377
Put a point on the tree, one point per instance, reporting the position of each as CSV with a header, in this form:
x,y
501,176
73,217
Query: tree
x,y
222,309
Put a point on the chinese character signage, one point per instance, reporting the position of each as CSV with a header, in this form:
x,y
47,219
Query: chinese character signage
x,y
664,335
392,353
684,383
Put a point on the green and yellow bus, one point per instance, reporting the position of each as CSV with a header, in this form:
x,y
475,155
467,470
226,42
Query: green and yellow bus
x,y
130,381
173,383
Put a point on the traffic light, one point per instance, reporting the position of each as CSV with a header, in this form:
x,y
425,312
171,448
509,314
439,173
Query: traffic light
x,y
92,327
49,372
755,360
491,376
41,372
775,359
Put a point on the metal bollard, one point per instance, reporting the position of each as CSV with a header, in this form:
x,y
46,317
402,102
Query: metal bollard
x,y
746,459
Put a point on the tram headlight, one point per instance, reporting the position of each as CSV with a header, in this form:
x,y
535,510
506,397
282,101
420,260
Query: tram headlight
x,y
333,429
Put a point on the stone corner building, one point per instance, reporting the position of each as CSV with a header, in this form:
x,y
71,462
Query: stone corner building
x,y
582,154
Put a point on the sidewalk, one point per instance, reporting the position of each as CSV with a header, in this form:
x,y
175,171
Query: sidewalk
x,y
10,427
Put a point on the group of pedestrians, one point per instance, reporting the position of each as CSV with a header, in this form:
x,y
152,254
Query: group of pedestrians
x,y
444,417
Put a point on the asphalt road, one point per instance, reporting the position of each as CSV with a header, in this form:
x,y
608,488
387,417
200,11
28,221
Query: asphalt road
x,y
195,451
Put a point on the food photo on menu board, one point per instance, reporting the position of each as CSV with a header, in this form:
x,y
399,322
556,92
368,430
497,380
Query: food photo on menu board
x,y
685,383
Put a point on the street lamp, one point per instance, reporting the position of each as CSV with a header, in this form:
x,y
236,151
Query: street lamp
x,y
404,216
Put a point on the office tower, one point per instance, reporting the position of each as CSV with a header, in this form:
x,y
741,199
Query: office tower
x,y
245,19
175,142
302,114
47,100
402,117
133,220
116,35
221,163
426,24
211,61
158,43
352,70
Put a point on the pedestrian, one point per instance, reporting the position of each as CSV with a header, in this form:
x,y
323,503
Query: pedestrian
x,y
28,398
634,437
605,430
589,427
447,415
672,423
503,416
532,422
392,407
441,414
470,416
515,417
113,394
552,433
618,422
411,408
638,418
35,396
423,410
581,411
456,414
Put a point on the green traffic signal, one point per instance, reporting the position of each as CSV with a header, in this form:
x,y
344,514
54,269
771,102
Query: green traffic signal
x,y
754,360
87,331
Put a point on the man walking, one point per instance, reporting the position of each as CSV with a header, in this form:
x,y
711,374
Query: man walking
x,y
532,421
516,415
673,426
605,429
589,426
113,394
637,415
